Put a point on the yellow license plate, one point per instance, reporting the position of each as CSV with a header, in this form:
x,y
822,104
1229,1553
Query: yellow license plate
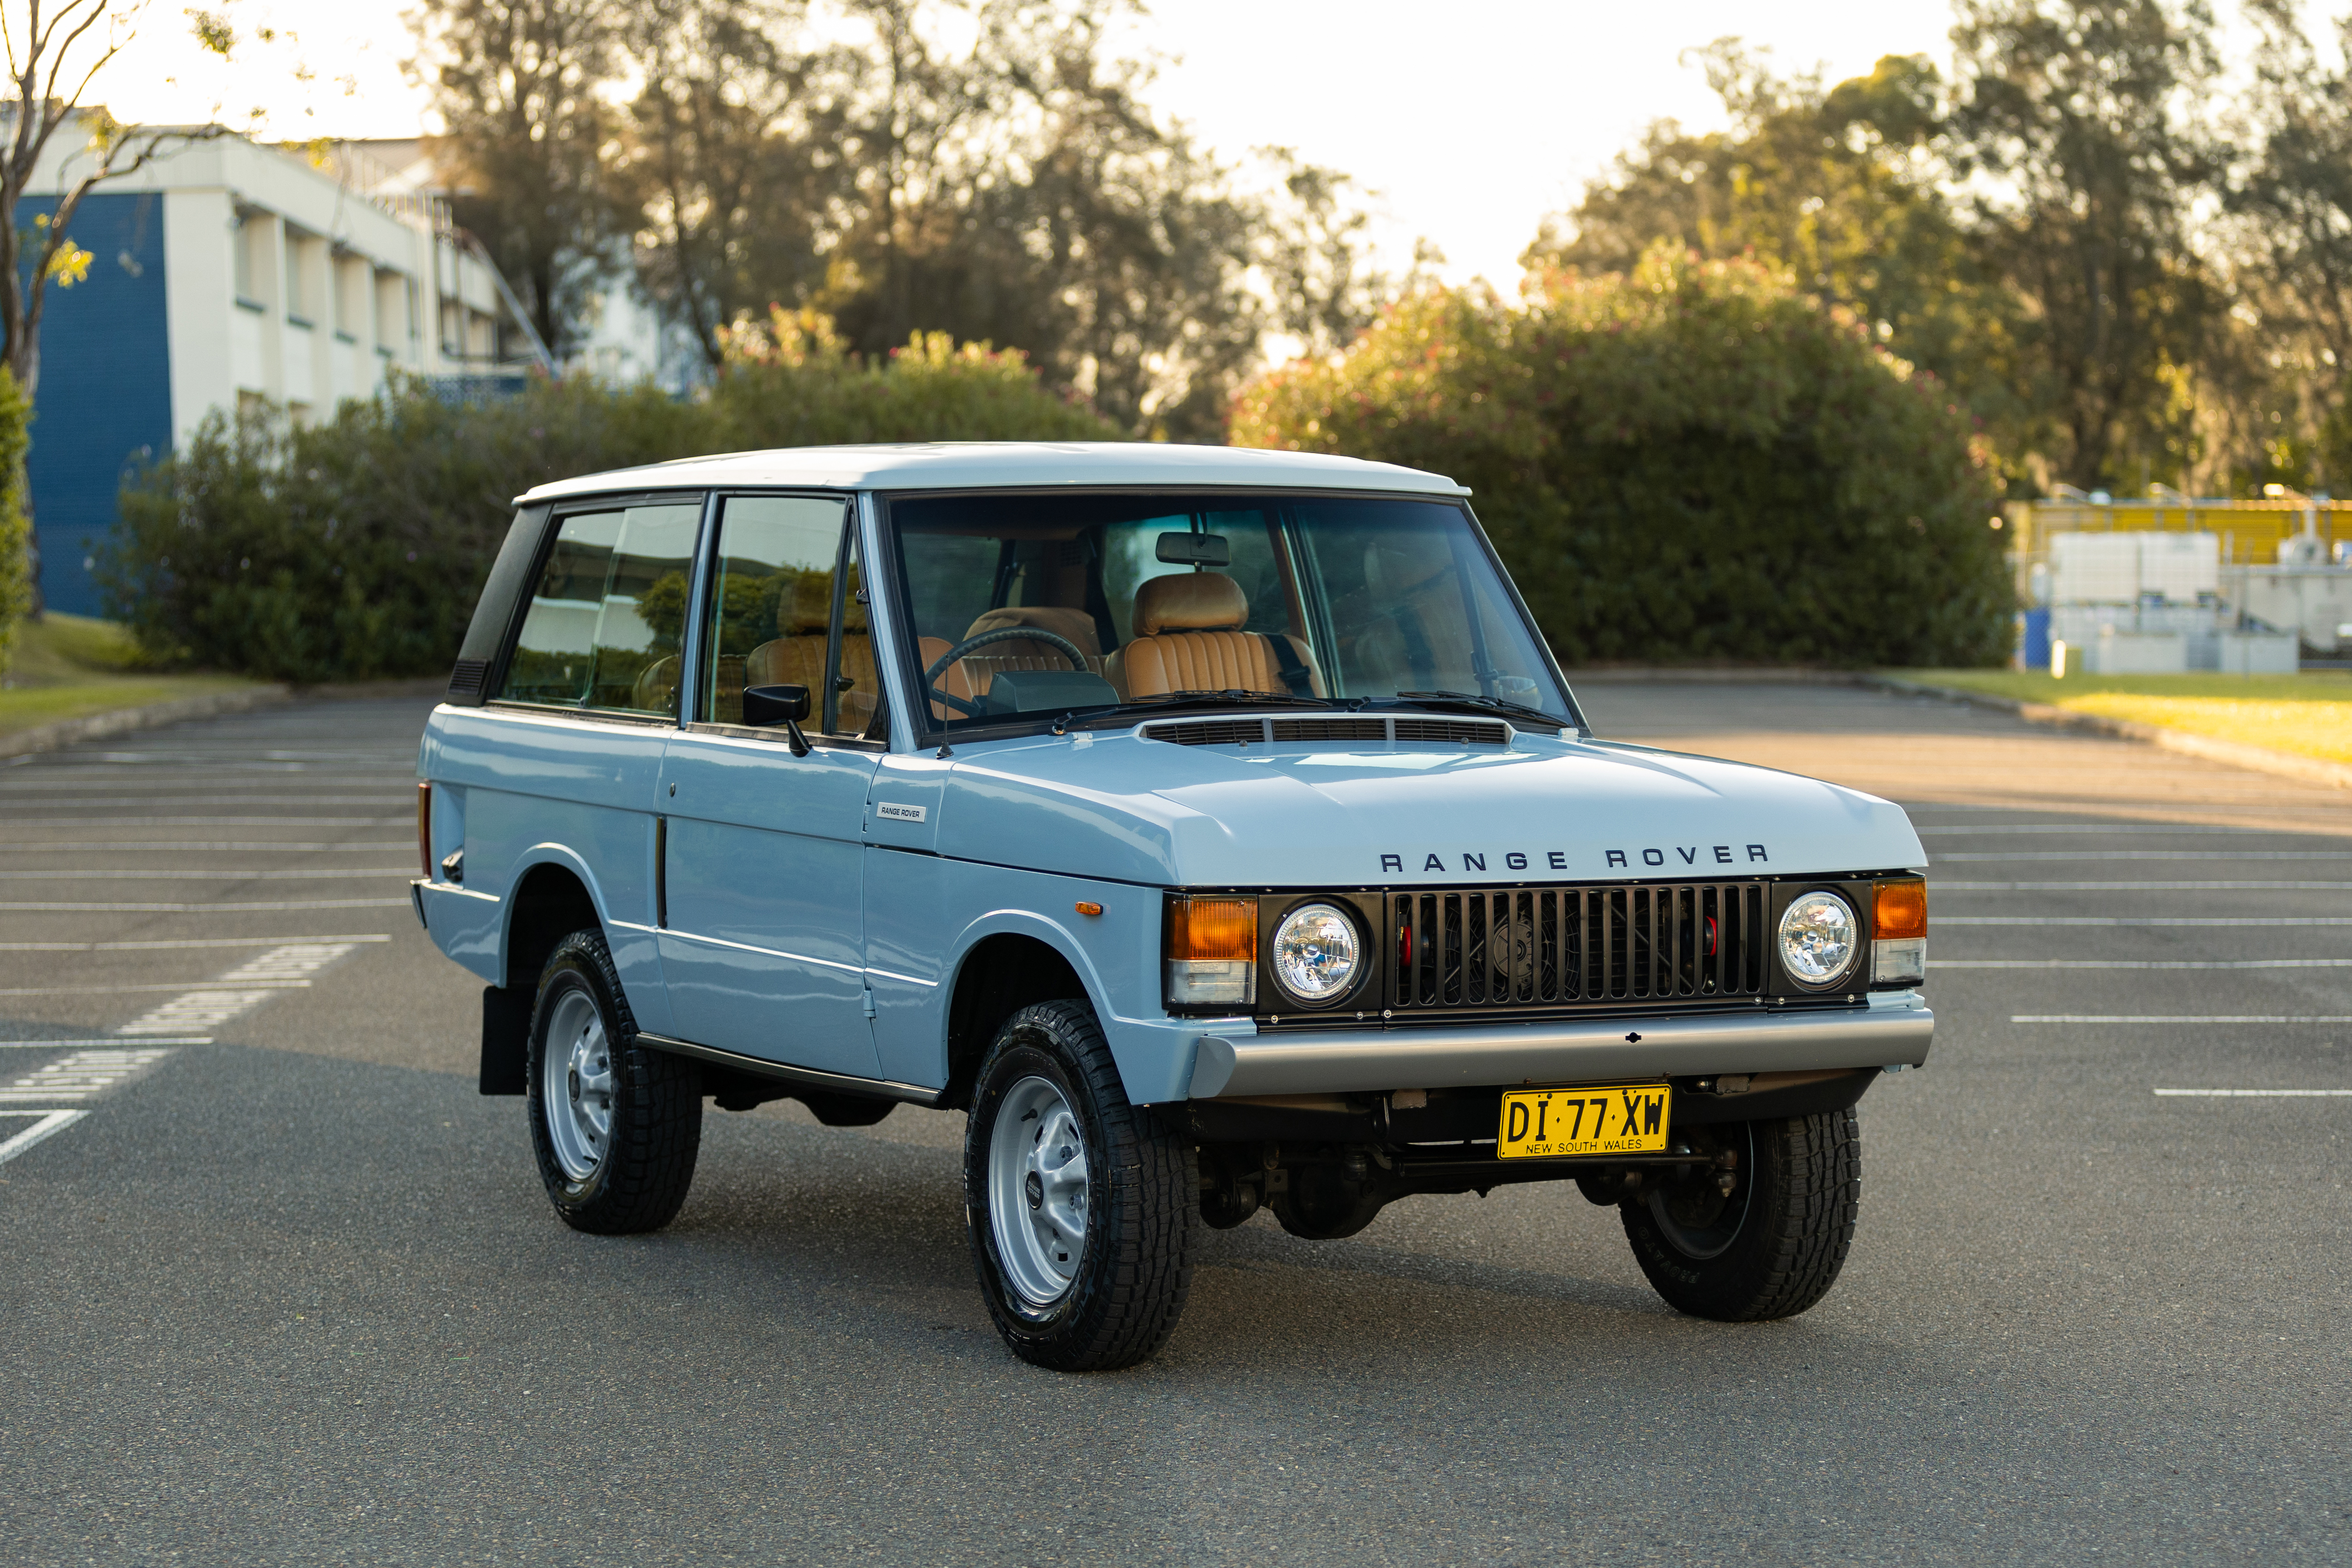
x,y
1615,1118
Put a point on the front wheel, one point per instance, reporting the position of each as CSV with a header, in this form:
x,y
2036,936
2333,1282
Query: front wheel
x,y
1759,1228
1081,1209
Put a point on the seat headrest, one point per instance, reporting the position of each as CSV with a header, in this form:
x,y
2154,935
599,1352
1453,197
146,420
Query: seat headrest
x,y
1190,602
1078,625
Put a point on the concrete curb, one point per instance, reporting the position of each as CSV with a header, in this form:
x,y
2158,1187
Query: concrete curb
x,y
2260,759
122,720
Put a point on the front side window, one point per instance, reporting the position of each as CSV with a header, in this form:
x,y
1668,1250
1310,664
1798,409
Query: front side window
x,y
607,617
788,609
1027,605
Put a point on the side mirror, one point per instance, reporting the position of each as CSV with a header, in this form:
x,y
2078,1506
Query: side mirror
x,y
767,705
787,705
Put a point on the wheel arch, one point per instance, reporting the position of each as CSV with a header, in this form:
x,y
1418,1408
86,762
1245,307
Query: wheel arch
x,y
554,895
1005,962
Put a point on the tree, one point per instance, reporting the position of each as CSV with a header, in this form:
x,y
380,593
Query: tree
x,y
2290,207
52,51
730,167
1841,185
1690,460
516,86
2076,118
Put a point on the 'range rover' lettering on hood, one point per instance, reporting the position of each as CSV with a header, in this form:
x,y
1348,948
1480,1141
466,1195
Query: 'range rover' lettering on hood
x,y
1319,815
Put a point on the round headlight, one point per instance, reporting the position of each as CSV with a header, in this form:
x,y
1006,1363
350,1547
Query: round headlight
x,y
1316,952
1819,937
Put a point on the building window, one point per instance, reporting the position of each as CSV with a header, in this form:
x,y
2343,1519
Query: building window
x,y
248,256
306,267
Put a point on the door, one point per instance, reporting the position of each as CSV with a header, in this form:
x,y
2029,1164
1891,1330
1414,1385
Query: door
x,y
762,913
570,749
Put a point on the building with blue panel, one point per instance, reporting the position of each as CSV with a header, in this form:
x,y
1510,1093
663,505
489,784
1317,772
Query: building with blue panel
x,y
232,278
104,399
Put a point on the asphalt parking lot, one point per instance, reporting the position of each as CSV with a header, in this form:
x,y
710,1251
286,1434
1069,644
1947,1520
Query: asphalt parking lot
x,y
293,1294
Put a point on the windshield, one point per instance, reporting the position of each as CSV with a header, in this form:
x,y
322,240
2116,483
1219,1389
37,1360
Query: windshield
x,y
1076,603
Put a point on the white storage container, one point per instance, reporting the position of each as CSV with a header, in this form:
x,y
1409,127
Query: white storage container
x,y
2137,653
2258,653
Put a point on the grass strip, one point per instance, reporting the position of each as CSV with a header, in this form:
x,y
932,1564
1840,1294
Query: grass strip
x,y
2307,715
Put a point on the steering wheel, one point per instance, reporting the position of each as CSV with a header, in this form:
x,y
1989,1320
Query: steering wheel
x,y
1062,645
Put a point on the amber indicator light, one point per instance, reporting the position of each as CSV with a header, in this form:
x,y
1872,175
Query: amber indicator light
x,y
1211,928
1900,910
1087,908
425,831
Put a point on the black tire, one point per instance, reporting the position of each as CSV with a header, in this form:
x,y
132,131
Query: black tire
x,y
638,1179
1134,1267
1772,1246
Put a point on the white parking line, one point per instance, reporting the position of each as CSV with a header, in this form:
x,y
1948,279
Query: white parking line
x,y
2135,828
160,945
2140,964
68,1045
2258,1093
209,1007
2180,1017
2200,921
51,846
48,1121
287,874
19,817
111,990
1951,858
61,908
79,1076
1940,886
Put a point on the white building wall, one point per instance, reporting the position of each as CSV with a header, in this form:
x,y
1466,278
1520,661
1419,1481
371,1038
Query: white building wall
x,y
331,290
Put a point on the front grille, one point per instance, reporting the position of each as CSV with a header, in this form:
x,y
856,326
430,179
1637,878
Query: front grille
x,y
1524,947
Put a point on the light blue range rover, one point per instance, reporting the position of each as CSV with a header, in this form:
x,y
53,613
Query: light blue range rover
x,y
1212,826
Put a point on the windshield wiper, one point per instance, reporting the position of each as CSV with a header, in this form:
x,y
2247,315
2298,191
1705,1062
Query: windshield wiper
x,y
1229,699
1472,700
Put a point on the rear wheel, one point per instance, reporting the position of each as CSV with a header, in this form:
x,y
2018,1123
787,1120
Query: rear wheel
x,y
1081,1208
1758,1225
616,1126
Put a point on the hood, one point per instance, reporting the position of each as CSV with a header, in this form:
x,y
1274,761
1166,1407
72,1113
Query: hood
x,y
1324,815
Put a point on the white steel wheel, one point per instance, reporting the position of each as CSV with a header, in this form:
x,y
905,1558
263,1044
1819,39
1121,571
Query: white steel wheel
x,y
1038,1190
577,1087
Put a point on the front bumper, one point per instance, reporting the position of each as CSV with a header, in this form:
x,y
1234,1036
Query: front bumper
x,y
1567,1051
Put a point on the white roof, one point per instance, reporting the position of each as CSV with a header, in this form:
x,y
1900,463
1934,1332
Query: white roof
x,y
977,465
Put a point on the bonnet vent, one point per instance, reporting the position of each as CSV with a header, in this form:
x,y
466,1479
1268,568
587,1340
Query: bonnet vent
x,y
1215,733
1453,732
1260,731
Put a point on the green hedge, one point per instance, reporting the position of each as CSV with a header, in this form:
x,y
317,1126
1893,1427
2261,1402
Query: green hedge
x,y
1687,464
16,574
353,549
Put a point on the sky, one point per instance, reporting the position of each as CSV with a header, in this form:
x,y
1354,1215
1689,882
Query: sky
x,y
1470,119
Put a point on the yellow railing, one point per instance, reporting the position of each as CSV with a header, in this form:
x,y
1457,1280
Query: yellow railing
x,y
2251,531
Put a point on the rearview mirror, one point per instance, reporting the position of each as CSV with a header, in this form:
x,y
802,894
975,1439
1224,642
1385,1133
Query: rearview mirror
x,y
1195,550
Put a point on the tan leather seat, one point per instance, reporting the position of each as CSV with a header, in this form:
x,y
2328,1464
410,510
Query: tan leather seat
x,y
1189,637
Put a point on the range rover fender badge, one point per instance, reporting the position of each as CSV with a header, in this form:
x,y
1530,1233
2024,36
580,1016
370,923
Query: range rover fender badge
x,y
891,811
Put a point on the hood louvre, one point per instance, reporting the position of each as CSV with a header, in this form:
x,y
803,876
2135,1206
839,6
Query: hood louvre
x,y
1401,732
